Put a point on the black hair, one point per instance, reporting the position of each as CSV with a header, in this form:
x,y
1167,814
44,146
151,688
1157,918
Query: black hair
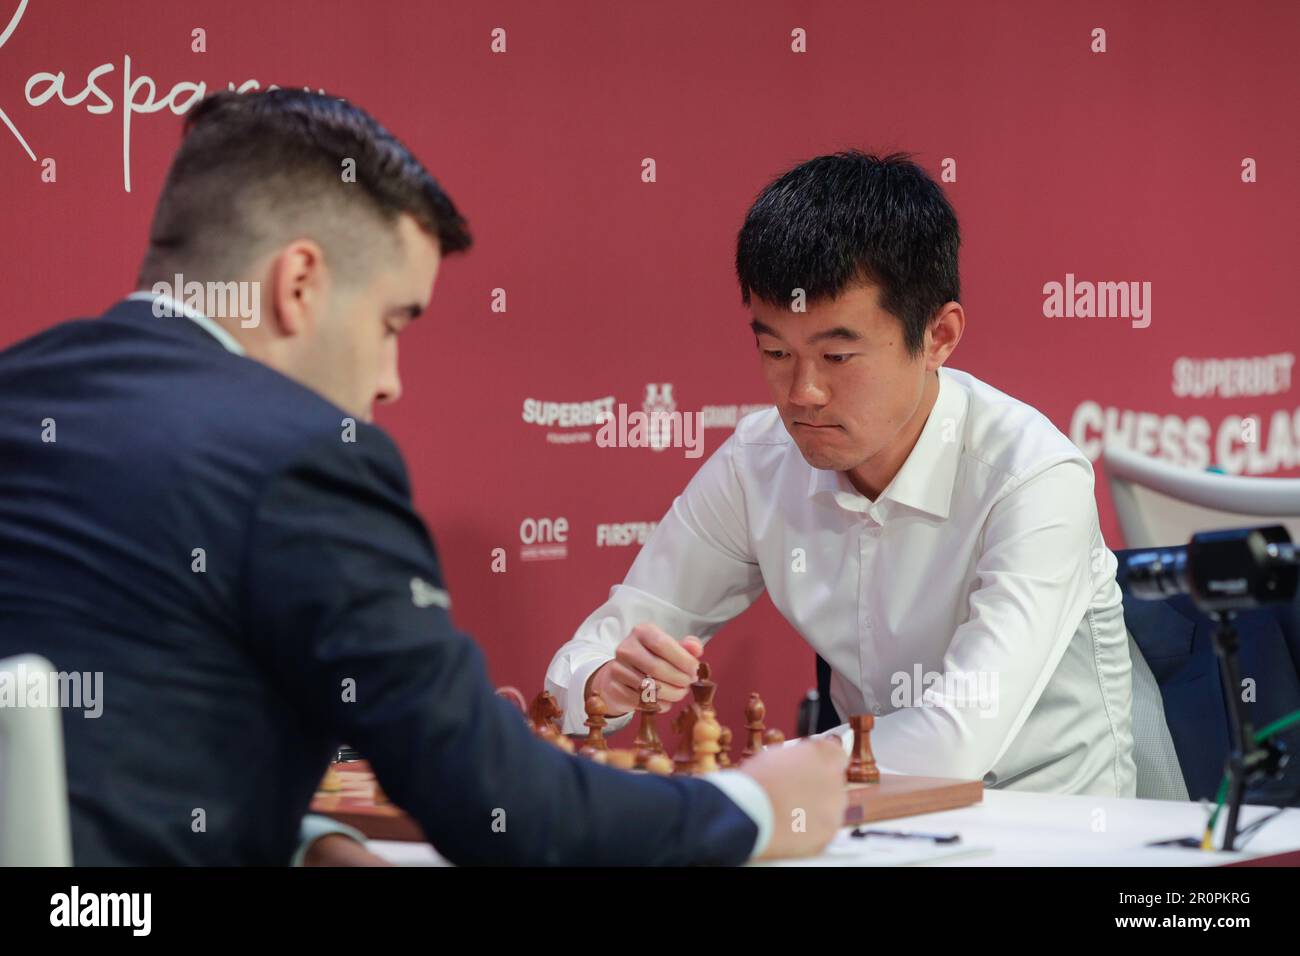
x,y
279,155
850,218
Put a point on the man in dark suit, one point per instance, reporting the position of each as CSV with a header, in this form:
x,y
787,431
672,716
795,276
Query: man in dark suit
x,y
194,504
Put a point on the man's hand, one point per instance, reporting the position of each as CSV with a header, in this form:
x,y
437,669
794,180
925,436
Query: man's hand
x,y
646,652
337,849
805,782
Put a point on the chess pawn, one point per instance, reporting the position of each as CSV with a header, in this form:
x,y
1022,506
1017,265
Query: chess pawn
x,y
684,726
773,738
862,765
659,764
755,711
595,742
647,737
724,751
621,759
704,736
332,782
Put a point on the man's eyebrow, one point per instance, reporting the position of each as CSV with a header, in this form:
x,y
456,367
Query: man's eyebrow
x,y
839,332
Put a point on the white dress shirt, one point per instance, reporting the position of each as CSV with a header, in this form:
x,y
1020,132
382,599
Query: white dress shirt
x,y
972,606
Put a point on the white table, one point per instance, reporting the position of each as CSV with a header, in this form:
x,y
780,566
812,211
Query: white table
x,y
1013,828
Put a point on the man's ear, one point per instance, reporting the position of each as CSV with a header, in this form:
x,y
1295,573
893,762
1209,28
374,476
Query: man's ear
x,y
943,334
299,287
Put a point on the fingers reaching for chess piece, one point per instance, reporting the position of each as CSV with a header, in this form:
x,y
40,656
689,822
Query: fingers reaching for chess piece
x,y
647,651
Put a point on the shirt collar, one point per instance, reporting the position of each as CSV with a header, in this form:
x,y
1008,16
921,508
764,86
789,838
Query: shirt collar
x,y
180,308
925,481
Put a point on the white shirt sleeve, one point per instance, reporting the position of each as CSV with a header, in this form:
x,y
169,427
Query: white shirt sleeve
x,y
1037,570
696,571
748,794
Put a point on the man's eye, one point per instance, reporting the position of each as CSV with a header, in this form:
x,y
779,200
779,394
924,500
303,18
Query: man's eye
x,y
774,353
839,358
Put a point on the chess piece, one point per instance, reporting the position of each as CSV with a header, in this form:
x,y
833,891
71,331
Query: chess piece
x,y
647,737
684,758
724,752
595,742
544,715
622,759
703,689
755,711
332,782
862,765
705,736
659,764
513,695
773,738
701,706
705,730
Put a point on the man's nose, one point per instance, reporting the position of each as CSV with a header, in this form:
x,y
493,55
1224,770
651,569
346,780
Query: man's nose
x,y
390,386
806,390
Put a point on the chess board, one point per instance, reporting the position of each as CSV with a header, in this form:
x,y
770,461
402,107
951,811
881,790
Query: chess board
x,y
900,795
354,804
896,795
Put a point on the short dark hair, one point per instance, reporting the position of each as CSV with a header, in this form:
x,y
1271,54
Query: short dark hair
x,y
841,220
264,161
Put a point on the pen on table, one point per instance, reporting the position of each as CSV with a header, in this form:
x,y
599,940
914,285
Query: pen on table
x,y
905,835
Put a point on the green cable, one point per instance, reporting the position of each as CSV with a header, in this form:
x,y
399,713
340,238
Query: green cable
x,y
1261,735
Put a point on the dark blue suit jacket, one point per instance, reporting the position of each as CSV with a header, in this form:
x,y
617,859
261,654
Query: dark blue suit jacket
x,y
225,689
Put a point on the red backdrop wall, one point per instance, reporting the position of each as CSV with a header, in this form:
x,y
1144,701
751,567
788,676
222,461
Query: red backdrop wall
x,y
1168,158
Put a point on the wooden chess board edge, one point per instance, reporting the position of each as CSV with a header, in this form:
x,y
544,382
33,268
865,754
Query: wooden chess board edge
x,y
898,795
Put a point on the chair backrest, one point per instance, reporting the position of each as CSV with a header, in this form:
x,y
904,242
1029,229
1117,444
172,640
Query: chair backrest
x,y
1176,644
33,788
1158,503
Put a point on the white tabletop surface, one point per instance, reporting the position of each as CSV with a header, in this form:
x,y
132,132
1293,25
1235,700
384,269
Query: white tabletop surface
x,y
1013,828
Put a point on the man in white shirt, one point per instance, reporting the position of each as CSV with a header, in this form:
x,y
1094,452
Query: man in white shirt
x,y
934,540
